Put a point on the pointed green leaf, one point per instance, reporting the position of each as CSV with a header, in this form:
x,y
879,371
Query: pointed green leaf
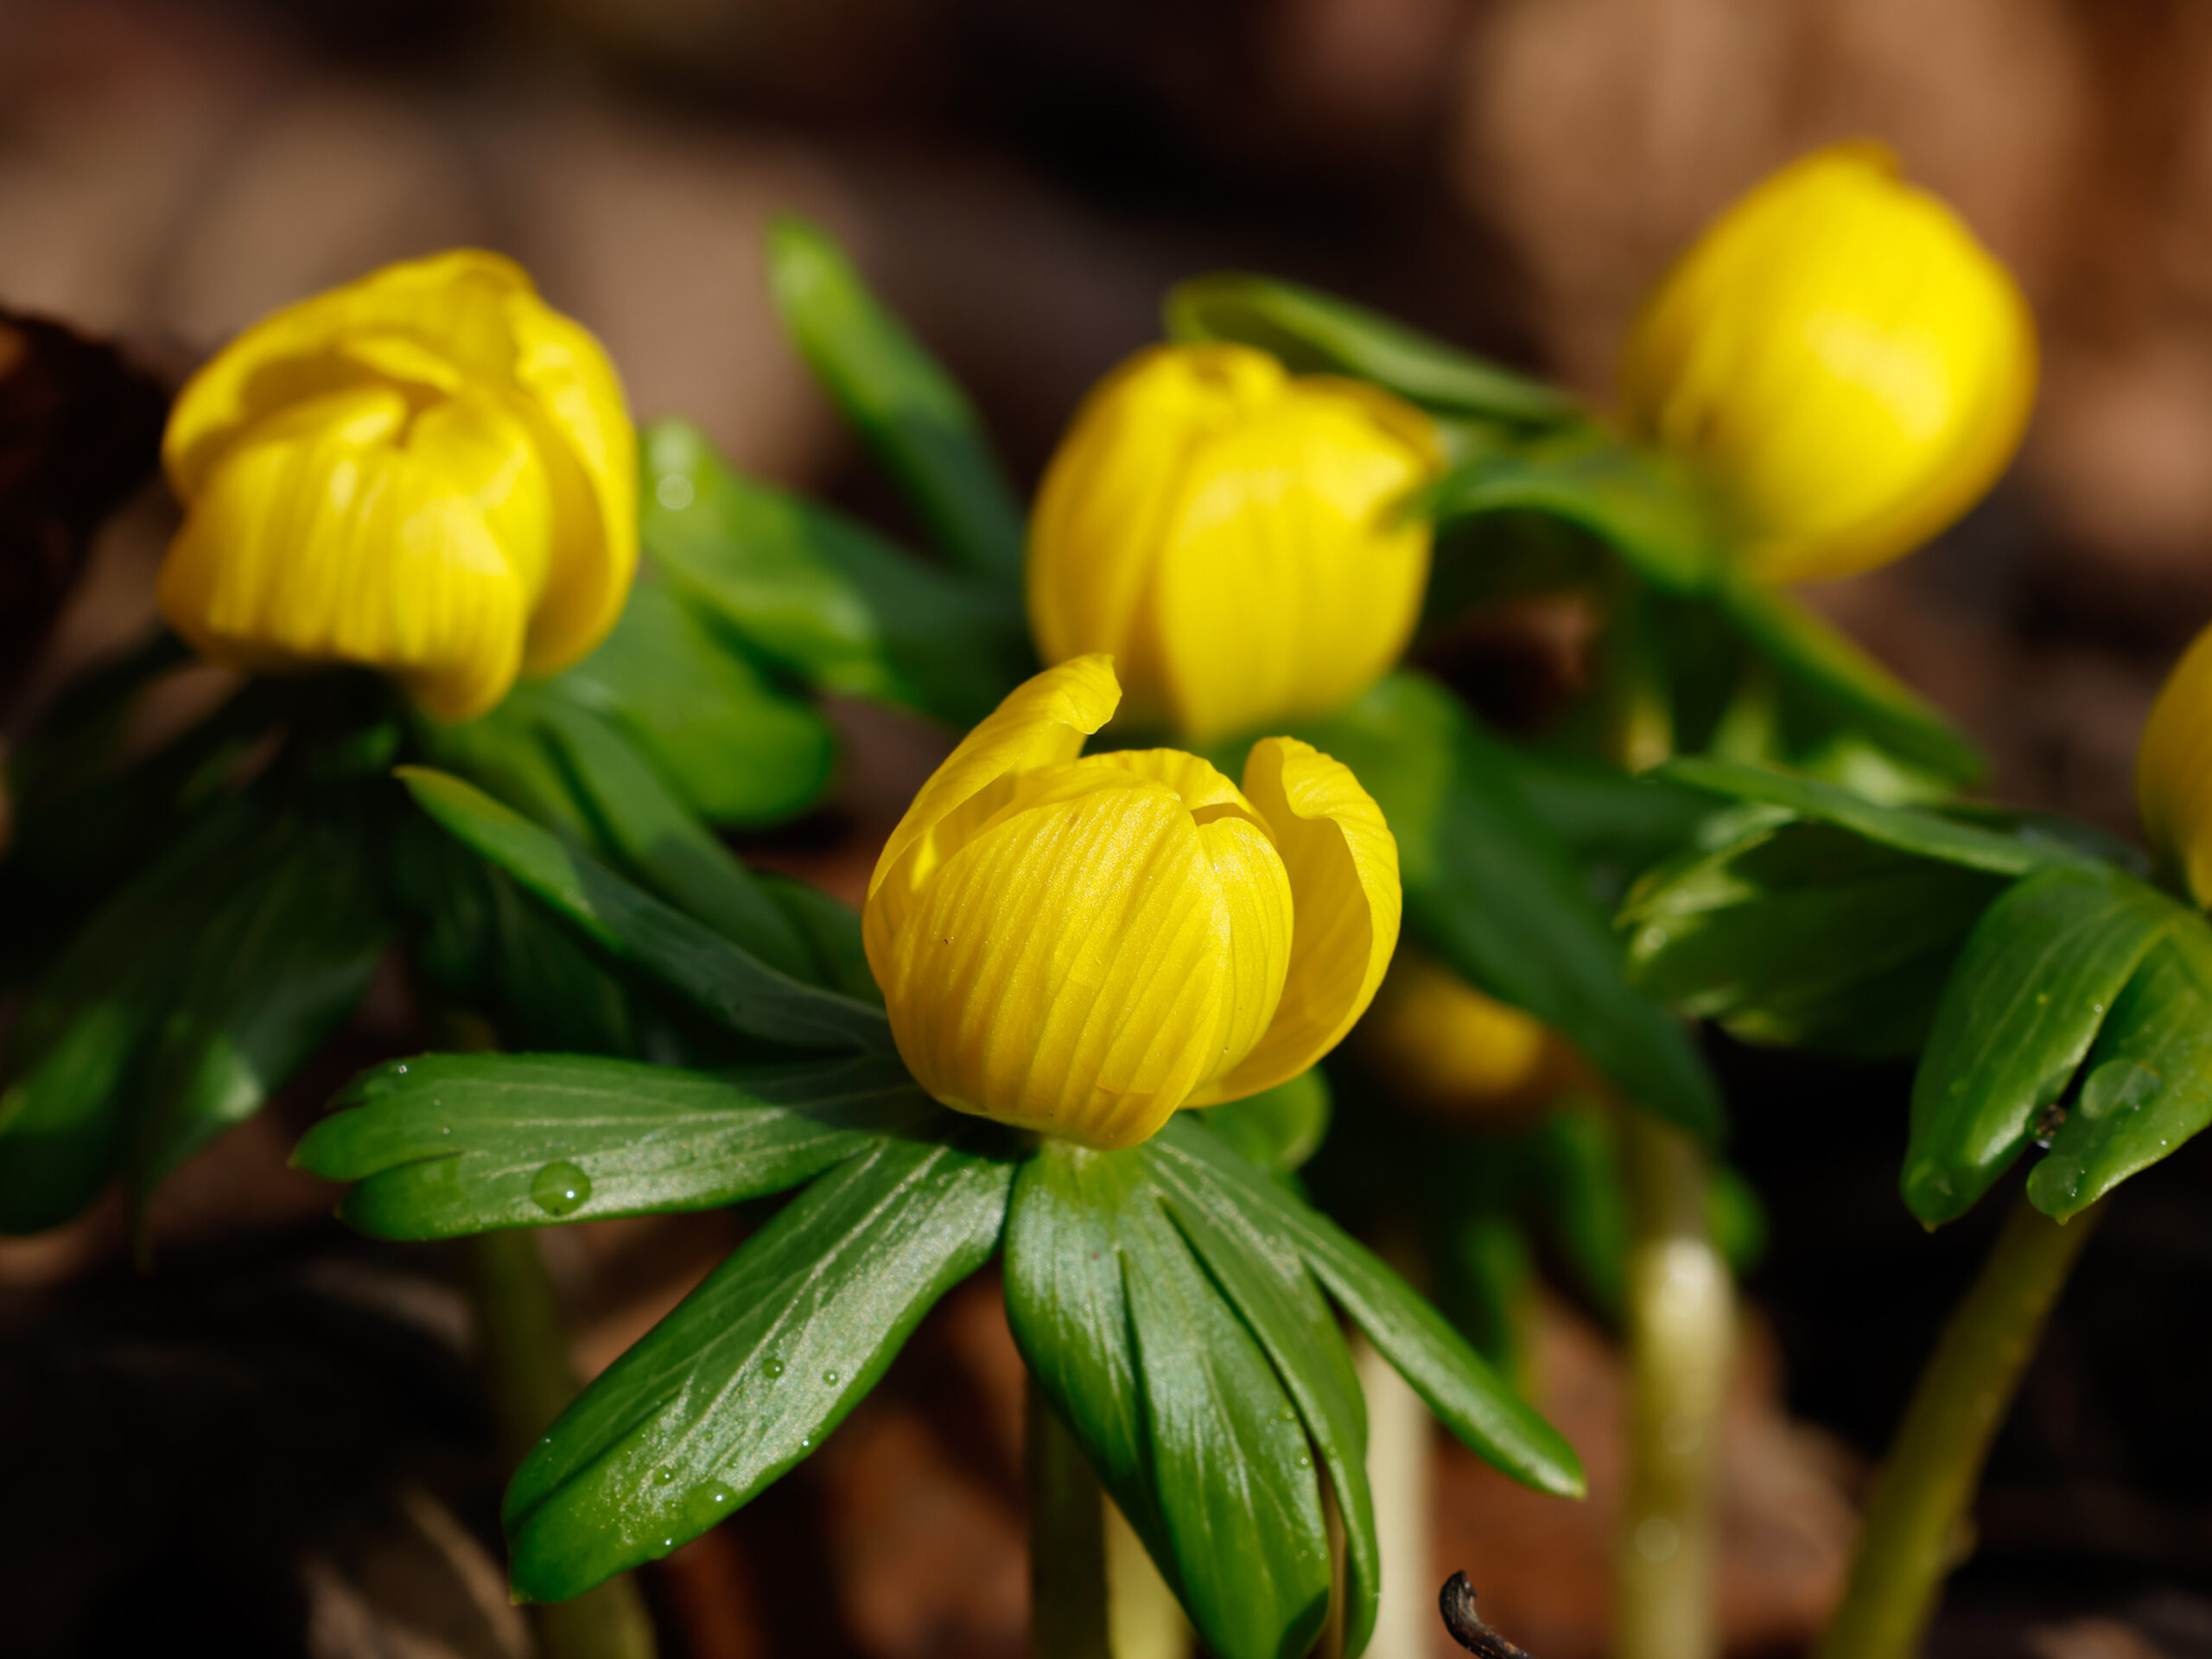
x,y
832,931
898,399
738,750
1278,1128
733,987
754,1367
445,1145
2039,973
1911,830
1171,1396
655,835
1488,889
1459,1387
1805,934
278,966
2146,1086
822,596
1313,332
1649,510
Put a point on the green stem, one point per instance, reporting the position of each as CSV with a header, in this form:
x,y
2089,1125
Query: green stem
x,y
1067,1541
1681,1315
1917,1525
523,1350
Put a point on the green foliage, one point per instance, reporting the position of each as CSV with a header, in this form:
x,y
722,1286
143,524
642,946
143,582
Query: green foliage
x,y
2038,974
755,1366
1490,890
823,597
899,401
1278,1128
727,984
1313,333
445,1145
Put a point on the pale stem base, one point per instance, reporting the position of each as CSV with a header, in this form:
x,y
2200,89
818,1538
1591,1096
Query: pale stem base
x,y
1399,1472
1682,1327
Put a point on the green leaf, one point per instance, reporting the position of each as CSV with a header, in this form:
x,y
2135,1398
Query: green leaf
x,y
76,1053
1824,666
902,404
1278,1128
445,1145
1805,934
2038,974
279,964
754,1367
656,836
734,987
1490,891
832,930
1916,830
1583,1198
1459,1386
824,597
1314,332
737,750
1616,825
2146,1086
1171,1396
1647,508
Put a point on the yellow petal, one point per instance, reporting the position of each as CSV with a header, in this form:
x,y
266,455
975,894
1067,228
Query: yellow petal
x,y
2173,771
1225,531
453,326
1041,722
1342,865
1064,970
1845,359
337,531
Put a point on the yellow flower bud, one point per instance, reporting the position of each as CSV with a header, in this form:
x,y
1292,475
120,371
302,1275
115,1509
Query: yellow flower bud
x,y
2173,771
1452,1051
1081,945
1224,532
1848,362
428,472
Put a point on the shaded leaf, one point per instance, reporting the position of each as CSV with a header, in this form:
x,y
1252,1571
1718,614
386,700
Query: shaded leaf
x,y
1278,1128
1314,332
724,982
445,1145
754,1367
900,401
2039,973
1489,890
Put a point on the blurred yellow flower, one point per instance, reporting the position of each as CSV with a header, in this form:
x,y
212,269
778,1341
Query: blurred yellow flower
x,y
1453,1052
1224,532
2173,771
1080,946
1842,356
428,472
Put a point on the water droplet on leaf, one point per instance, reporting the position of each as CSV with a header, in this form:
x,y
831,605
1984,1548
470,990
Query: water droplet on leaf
x,y
560,1188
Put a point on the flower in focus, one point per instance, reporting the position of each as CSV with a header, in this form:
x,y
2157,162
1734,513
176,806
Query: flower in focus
x,y
1080,946
1842,356
428,472
2173,771
1224,531
1448,1050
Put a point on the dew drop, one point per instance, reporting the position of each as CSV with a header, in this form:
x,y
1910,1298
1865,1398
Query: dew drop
x,y
664,1476
675,491
560,1188
1305,1462
831,1377
401,1069
774,1368
704,1505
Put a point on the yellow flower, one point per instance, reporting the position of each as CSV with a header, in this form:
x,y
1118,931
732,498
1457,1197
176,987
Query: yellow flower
x,y
2173,771
428,472
1081,946
1852,367
1224,532
1450,1051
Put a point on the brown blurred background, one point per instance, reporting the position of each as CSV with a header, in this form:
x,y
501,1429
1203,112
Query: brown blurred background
x,y
1022,178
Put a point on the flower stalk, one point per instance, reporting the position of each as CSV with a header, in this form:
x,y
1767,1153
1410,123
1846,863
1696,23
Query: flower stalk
x,y
1916,1527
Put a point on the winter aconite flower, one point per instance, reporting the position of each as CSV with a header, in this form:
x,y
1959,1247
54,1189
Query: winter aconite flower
x,y
1848,362
1226,531
428,472
2173,771
1453,1052
1081,945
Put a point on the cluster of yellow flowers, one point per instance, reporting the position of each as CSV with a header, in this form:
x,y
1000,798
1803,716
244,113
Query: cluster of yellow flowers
x,y
432,474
